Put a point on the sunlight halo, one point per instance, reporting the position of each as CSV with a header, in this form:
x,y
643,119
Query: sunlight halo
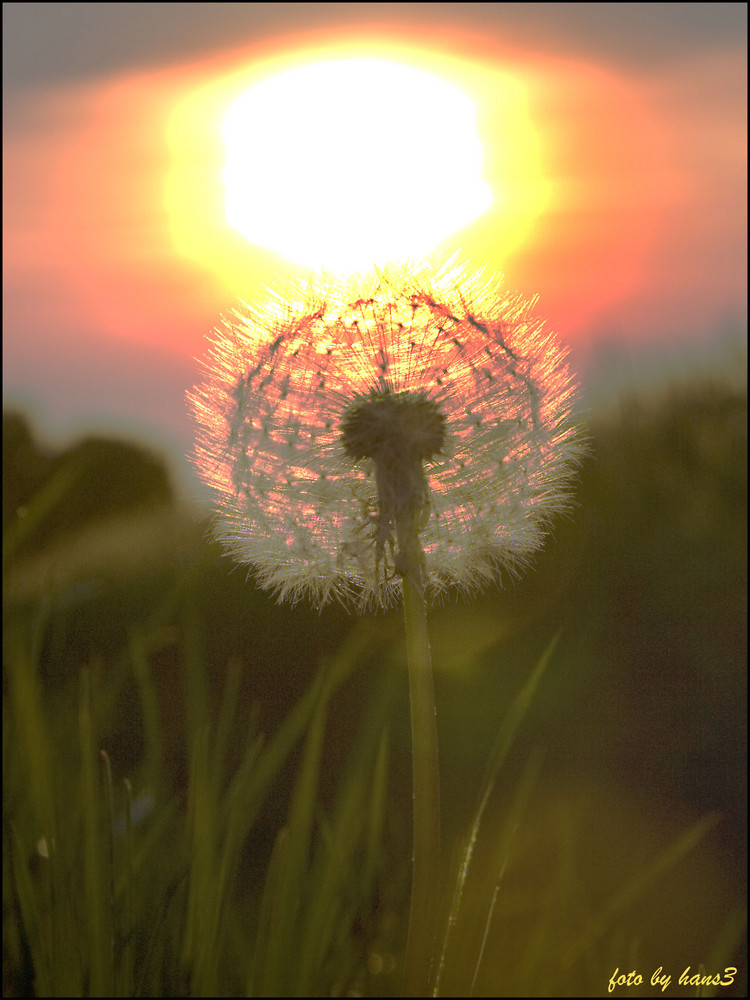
x,y
352,162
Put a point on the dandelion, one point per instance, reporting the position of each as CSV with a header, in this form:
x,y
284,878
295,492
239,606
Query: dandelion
x,y
336,411
399,433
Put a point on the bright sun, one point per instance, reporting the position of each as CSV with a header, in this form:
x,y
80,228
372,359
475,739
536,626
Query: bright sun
x,y
352,162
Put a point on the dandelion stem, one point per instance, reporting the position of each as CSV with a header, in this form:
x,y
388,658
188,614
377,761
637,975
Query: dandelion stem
x,y
420,950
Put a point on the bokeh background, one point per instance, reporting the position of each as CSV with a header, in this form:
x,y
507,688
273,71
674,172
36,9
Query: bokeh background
x,y
117,263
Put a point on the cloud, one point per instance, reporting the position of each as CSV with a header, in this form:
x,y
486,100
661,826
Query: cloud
x,y
47,43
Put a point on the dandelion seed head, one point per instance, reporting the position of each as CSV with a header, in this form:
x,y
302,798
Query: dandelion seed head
x,y
333,407
389,426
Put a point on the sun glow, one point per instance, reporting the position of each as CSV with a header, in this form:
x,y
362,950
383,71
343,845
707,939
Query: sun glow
x,y
333,174
351,162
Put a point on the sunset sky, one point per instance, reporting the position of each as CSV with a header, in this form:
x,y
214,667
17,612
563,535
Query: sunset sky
x,y
607,144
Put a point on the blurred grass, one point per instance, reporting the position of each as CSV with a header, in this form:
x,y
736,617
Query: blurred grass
x,y
208,794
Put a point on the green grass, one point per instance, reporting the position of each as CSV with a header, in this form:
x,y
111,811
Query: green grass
x,y
107,903
208,795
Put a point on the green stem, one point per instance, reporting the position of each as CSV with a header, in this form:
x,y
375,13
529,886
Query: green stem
x,y
420,950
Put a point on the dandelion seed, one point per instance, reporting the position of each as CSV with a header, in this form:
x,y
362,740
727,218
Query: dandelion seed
x,y
385,436
336,413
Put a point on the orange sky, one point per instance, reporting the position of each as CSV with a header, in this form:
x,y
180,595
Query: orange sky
x,y
623,210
